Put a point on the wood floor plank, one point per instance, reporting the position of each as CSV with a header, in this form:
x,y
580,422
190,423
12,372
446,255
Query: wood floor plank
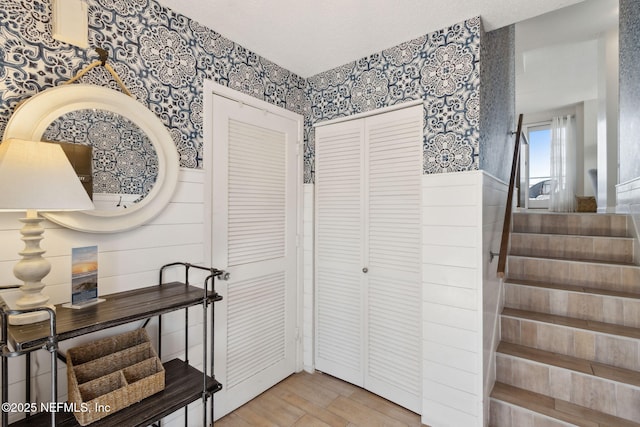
x,y
332,383
309,421
316,411
362,415
277,410
308,389
382,405
252,417
310,400
232,420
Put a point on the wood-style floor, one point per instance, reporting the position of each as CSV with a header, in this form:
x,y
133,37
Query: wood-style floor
x,y
318,400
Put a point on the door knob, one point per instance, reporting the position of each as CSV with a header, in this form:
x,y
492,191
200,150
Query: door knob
x,y
365,270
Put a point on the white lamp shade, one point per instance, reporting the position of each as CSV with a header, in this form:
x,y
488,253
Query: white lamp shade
x,y
38,176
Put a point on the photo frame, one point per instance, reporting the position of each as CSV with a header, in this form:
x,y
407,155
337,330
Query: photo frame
x,y
84,277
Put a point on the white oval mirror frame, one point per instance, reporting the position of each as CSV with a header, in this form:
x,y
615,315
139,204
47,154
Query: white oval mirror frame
x,y
33,116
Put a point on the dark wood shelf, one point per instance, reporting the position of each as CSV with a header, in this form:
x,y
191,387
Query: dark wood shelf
x,y
183,385
118,309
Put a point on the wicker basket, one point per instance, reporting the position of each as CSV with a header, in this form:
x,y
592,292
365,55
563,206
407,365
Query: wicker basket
x,y
586,204
110,374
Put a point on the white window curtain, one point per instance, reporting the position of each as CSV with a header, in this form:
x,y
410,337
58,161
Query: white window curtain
x,y
563,165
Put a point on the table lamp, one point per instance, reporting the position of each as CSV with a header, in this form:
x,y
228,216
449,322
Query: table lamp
x,y
36,176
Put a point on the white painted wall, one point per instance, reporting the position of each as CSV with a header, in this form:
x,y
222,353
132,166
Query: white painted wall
x,y
462,216
127,261
590,143
608,97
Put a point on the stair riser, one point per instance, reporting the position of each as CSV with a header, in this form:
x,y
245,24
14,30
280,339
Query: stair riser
x,y
506,415
572,247
600,308
573,224
557,239
604,348
582,389
612,277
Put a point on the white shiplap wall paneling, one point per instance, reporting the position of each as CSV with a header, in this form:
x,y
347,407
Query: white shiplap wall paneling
x,y
126,260
452,282
462,213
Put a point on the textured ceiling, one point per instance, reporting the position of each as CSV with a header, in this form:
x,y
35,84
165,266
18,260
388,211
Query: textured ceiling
x,y
311,36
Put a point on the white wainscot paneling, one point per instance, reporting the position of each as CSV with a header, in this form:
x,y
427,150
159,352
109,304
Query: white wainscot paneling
x,y
493,206
628,197
126,260
628,202
461,213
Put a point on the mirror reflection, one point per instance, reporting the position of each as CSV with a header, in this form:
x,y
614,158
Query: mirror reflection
x,y
124,162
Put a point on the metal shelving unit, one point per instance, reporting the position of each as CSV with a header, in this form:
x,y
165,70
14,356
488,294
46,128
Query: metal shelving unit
x,y
183,383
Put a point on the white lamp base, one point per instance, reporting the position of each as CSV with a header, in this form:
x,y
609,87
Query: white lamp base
x,y
25,318
31,269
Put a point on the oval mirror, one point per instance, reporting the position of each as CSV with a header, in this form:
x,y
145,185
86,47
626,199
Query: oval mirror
x,y
134,160
119,164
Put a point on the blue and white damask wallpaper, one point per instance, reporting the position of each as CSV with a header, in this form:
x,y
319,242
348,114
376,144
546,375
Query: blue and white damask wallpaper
x,y
442,68
124,160
163,58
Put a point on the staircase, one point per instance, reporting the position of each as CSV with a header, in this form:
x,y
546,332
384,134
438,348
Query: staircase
x,y
570,329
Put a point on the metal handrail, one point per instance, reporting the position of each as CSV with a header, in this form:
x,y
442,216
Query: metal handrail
x,y
506,228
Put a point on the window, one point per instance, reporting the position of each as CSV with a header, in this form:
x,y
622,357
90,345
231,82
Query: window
x,y
539,155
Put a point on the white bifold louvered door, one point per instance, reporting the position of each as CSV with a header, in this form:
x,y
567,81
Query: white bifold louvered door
x,y
368,253
339,250
254,222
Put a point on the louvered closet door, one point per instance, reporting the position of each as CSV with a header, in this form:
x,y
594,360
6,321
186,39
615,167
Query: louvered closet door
x,y
368,253
254,239
339,257
394,257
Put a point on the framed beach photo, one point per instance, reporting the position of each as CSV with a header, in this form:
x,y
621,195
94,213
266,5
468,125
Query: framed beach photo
x,y
84,277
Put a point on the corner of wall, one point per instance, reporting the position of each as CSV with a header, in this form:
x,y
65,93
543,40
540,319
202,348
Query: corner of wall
x,y
308,285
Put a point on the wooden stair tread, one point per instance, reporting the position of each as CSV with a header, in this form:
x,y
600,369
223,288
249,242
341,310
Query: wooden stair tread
x,y
588,236
574,247
573,288
572,322
556,408
586,260
601,370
